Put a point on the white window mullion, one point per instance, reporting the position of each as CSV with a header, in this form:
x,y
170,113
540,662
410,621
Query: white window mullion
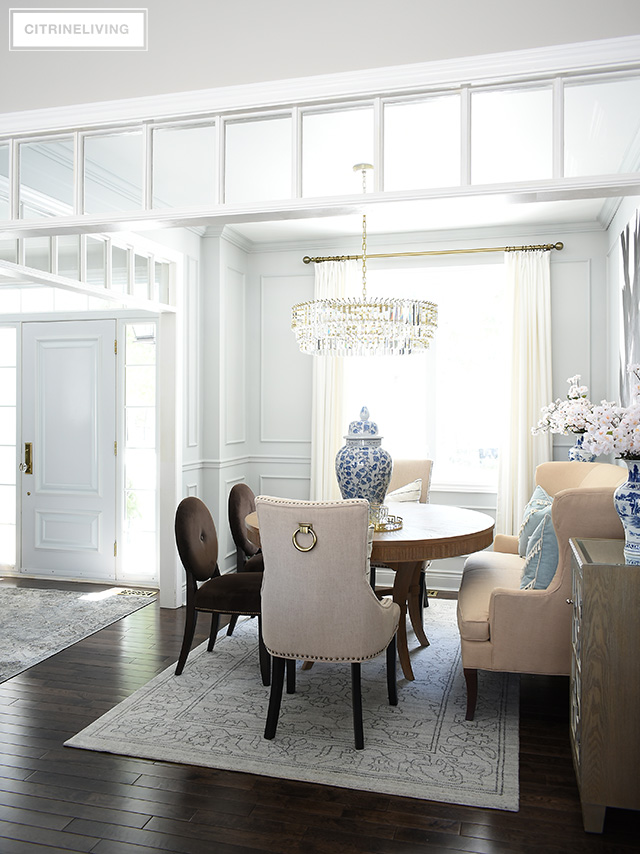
x,y
108,265
296,152
465,136
378,146
131,270
78,174
558,128
221,153
147,167
14,180
82,263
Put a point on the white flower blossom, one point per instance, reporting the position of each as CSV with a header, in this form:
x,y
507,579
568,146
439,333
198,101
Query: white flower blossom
x,y
566,416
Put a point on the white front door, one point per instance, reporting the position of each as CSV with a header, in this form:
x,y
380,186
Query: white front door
x,y
69,422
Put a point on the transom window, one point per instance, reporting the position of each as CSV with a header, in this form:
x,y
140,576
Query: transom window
x,y
472,136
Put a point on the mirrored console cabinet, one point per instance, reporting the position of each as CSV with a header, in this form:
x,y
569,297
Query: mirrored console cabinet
x,y
605,679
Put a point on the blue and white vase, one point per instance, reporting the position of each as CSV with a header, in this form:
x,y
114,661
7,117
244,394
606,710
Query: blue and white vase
x,y
626,500
363,468
578,453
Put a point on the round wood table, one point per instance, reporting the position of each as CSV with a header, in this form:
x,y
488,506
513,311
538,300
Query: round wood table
x,y
429,532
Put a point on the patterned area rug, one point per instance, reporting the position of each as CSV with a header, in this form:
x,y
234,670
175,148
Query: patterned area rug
x,y
214,714
38,623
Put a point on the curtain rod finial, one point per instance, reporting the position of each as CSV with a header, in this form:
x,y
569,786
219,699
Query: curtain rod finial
x,y
306,259
559,245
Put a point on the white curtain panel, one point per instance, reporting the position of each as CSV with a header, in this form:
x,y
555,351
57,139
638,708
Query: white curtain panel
x,y
630,354
332,279
529,386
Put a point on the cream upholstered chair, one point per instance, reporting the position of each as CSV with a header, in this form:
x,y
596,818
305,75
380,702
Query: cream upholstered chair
x,y
405,472
317,603
508,629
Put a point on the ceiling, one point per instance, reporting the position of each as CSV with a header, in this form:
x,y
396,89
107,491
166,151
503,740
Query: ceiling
x,y
437,215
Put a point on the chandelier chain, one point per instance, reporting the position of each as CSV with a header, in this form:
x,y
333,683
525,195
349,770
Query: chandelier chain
x,y
365,166
364,257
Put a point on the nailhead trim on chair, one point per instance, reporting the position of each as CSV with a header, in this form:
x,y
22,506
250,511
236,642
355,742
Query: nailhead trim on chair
x,y
341,502
303,656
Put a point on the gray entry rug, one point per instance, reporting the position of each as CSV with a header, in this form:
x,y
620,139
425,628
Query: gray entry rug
x,y
37,624
213,715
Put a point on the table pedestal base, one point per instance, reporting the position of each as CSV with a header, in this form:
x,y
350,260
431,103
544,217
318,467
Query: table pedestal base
x,y
406,592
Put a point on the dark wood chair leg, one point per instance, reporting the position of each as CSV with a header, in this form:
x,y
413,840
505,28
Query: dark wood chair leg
x,y
215,623
232,624
392,685
264,657
424,599
356,702
291,676
189,631
471,678
372,575
275,697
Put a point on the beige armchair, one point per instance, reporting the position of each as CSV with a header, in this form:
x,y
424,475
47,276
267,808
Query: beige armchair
x,y
317,603
507,629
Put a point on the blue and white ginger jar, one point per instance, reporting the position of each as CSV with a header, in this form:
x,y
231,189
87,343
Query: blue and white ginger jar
x,y
626,500
363,468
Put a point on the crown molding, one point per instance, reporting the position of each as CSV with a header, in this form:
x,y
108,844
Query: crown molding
x,y
580,57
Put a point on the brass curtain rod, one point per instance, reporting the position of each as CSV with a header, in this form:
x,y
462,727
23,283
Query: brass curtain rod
x,y
545,247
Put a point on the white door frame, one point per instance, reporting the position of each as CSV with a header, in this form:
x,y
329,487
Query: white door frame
x,y
69,524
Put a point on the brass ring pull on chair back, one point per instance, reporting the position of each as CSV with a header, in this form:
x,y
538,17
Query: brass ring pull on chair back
x,y
304,528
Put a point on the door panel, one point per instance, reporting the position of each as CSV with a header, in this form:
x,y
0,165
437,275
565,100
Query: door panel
x,y
69,417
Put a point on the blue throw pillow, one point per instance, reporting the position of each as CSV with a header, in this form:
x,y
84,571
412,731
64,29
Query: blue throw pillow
x,y
538,507
542,557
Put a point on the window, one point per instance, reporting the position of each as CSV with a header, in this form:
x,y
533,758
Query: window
x,y
422,143
8,356
139,553
445,405
511,135
184,166
258,160
332,144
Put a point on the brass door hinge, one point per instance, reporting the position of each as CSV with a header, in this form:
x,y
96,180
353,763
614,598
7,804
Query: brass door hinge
x,y
115,548
115,347
115,449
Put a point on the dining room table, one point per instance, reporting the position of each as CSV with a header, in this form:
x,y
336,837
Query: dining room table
x,y
429,532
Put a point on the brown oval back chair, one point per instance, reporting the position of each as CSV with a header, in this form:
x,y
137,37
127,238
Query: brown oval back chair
x,y
242,501
207,590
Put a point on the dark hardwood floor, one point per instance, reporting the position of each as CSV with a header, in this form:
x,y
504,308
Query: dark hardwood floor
x,y
57,799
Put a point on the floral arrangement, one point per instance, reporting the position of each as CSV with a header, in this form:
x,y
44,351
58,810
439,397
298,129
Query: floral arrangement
x,y
613,429
567,416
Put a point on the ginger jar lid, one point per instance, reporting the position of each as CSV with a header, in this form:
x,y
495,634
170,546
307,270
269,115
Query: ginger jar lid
x,y
364,428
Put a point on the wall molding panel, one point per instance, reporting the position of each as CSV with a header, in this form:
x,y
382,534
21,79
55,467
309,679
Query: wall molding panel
x,y
285,372
234,373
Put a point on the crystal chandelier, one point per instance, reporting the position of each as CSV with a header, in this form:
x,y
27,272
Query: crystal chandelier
x,y
364,327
